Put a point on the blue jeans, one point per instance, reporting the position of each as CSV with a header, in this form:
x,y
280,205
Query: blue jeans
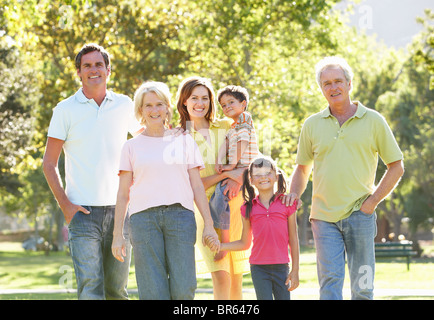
x,y
163,241
353,236
219,208
269,280
99,275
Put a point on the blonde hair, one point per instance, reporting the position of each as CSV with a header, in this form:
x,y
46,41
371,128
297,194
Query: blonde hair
x,y
161,90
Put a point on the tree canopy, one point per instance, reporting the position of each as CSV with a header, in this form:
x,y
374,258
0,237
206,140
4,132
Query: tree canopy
x,y
269,47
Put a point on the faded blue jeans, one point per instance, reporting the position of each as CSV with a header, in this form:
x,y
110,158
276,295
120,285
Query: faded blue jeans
x,y
353,236
219,208
99,275
163,241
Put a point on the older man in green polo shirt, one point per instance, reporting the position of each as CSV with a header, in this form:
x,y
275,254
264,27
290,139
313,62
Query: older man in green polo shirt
x,y
342,144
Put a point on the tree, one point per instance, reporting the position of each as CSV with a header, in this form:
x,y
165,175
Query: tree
x,y
270,47
18,96
49,36
410,106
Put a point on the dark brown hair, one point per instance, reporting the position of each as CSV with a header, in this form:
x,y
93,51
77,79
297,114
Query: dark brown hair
x,y
184,92
237,92
88,48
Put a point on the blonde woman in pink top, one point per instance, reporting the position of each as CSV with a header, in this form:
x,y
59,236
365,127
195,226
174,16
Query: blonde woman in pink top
x,y
159,180
273,227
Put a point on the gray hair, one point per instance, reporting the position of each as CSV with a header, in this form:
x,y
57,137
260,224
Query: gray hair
x,y
333,62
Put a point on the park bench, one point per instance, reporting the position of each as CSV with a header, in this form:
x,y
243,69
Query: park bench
x,y
395,249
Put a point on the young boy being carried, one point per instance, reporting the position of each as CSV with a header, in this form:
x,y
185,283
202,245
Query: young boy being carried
x,y
239,150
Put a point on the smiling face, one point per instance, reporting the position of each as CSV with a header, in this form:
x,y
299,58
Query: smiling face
x,y
263,178
93,71
231,106
335,87
198,103
154,110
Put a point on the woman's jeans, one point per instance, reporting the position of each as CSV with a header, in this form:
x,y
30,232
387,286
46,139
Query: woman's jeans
x,y
353,236
269,280
99,275
163,241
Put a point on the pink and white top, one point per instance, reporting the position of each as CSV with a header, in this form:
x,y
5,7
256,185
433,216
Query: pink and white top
x,y
160,170
270,231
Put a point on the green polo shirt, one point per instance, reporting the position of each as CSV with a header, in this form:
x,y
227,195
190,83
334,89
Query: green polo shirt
x,y
344,159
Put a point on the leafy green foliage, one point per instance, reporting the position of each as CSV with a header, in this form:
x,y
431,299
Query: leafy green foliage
x,y
17,100
269,47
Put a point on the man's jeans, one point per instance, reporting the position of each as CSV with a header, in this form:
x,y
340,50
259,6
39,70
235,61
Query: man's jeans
x,y
163,241
99,275
355,237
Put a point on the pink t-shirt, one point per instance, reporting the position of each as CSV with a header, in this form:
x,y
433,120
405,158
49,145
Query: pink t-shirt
x,y
270,231
160,170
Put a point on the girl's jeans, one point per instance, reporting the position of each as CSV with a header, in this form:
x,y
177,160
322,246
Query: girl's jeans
x,y
163,241
353,236
269,280
99,275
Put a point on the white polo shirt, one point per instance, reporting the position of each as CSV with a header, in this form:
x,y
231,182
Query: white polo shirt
x,y
94,136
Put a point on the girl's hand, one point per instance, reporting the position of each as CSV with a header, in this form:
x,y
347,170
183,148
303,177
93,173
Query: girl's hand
x,y
211,239
292,281
119,247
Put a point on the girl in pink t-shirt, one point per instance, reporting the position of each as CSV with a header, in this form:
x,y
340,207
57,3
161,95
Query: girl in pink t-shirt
x,y
273,227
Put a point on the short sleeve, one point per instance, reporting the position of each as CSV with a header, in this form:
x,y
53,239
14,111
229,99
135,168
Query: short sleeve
x,y
243,134
244,126
125,161
58,125
304,152
291,209
387,146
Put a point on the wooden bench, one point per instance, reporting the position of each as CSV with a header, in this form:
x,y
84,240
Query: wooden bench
x,y
395,249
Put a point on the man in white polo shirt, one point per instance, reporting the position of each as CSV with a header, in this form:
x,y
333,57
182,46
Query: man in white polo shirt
x,y
91,127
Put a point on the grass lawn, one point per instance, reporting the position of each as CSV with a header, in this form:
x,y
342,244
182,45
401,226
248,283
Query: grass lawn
x,y
36,271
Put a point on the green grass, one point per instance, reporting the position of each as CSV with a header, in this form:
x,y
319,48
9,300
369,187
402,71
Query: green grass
x,y
34,270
